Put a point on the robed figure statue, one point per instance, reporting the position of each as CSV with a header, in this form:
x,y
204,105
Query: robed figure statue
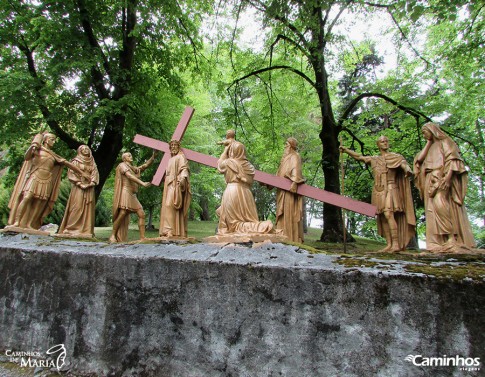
x,y
442,178
176,195
289,205
79,215
237,213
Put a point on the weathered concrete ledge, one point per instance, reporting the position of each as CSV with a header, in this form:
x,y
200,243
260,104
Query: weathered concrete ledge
x,y
227,310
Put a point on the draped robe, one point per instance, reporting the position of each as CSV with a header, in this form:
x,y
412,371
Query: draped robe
x,y
237,213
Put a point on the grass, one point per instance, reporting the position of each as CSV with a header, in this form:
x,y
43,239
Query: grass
x,y
201,229
197,229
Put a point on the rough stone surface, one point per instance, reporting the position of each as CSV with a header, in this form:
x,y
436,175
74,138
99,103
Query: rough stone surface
x,y
230,310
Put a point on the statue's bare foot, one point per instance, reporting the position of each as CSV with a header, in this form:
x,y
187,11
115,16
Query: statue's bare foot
x,y
394,248
386,249
112,239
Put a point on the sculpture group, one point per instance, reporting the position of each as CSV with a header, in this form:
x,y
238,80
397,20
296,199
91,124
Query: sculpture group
x,y
439,173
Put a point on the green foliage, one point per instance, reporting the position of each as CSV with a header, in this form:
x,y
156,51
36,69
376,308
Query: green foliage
x,y
103,212
439,75
57,214
95,72
4,199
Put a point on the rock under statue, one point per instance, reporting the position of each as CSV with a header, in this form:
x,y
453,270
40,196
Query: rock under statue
x,y
442,178
237,213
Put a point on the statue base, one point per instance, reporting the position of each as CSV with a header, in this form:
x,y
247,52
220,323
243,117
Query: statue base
x,y
74,236
171,239
452,247
246,238
16,229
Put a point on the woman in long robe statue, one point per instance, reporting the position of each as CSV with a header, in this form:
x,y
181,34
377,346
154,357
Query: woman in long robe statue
x,y
237,213
441,178
79,215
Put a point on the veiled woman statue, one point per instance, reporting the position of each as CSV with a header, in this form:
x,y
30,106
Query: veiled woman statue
x,y
237,213
79,215
441,178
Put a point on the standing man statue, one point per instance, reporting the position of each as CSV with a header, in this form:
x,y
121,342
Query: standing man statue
x,y
176,195
391,195
127,181
442,178
37,186
289,205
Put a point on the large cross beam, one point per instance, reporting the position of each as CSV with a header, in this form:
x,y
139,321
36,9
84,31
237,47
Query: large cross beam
x,y
268,179
177,135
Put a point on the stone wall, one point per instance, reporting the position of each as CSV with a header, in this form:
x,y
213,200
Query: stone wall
x,y
207,310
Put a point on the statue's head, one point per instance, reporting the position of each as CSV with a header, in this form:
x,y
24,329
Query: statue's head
x,y
237,151
292,143
174,147
84,150
230,134
432,129
383,142
48,138
127,157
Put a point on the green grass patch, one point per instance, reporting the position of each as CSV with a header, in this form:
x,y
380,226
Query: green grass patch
x,y
197,229
447,271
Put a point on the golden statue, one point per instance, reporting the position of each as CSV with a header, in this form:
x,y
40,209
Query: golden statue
x,y
391,194
289,205
127,181
37,186
176,195
78,218
441,177
237,213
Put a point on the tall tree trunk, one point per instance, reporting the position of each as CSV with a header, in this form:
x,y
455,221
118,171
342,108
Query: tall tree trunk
x,y
204,205
332,216
108,150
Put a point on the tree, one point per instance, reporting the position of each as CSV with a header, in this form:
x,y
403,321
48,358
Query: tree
x,y
307,30
91,70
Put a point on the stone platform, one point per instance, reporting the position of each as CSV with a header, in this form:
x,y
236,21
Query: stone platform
x,y
232,310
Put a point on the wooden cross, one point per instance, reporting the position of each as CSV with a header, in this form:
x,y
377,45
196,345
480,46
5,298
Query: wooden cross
x,y
268,179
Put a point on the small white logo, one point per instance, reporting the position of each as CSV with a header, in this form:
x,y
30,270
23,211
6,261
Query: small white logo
x,y
59,348
464,363
410,358
34,359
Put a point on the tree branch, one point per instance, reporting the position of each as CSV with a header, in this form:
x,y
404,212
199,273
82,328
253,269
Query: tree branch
x,y
291,41
192,42
375,5
415,113
330,27
98,77
428,64
284,21
39,85
257,72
